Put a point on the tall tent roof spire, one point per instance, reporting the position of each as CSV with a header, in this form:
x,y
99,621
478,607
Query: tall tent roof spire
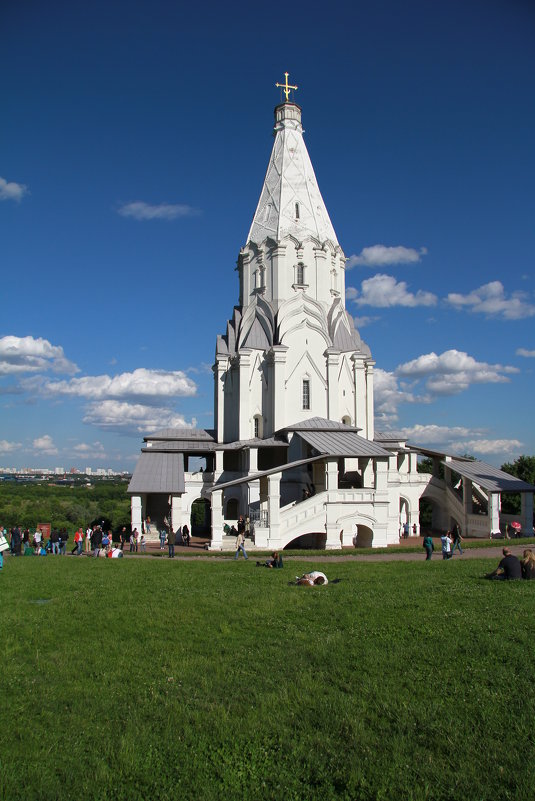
x,y
290,202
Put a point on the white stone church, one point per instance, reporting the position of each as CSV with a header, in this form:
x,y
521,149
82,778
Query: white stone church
x,y
294,446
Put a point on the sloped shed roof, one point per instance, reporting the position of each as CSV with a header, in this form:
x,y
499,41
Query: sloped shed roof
x,y
158,472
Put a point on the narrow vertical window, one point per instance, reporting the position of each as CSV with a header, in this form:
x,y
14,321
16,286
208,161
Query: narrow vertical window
x,y
306,393
300,273
297,211
256,427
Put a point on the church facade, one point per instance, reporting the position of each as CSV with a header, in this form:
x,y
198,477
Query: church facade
x,y
293,446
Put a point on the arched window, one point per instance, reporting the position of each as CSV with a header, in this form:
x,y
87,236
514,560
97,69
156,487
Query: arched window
x,y
257,425
297,211
300,274
346,420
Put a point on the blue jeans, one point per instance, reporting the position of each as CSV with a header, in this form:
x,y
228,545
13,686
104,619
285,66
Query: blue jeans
x,y
171,551
55,547
241,548
79,551
457,544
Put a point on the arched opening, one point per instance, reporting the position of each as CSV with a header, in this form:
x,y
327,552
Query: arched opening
x,y
232,509
201,517
432,517
257,426
364,538
314,540
346,420
404,530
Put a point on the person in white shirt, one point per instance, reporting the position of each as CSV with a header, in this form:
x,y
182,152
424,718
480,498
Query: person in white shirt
x,y
314,578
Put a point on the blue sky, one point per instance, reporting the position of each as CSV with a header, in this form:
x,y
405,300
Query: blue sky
x,y
134,143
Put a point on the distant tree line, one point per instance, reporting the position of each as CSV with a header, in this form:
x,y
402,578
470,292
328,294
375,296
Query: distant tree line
x,y
69,507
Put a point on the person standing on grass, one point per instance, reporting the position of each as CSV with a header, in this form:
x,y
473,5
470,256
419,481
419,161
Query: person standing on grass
x,y
240,545
185,534
162,539
88,534
122,538
429,547
446,545
142,543
456,539
171,543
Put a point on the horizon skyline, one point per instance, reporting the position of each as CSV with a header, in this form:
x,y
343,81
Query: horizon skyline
x,y
122,215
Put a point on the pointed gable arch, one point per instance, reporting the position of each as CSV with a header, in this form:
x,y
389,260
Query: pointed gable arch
x,y
299,312
256,326
306,363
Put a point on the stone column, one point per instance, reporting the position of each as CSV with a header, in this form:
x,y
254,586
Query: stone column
x,y
494,514
136,509
370,426
217,520
177,519
274,497
526,514
331,479
381,475
366,469
467,500
218,464
253,460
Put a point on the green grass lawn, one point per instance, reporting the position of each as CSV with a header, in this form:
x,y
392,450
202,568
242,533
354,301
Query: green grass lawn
x,y
153,679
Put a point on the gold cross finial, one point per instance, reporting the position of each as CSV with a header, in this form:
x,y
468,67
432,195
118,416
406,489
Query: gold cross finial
x,y
286,86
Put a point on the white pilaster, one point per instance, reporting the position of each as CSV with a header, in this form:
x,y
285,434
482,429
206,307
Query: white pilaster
x,y
369,401
278,353
333,361
359,372
220,368
244,430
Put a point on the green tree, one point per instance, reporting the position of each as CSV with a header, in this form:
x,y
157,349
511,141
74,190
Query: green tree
x,y
524,469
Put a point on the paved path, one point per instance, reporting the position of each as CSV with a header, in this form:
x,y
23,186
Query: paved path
x,y
394,555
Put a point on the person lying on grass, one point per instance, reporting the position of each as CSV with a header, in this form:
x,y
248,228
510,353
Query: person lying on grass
x,y
314,578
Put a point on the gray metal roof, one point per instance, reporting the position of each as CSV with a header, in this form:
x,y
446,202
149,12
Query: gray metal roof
x,y
182,433
389,436
320,424
158,472
184,445
342,443
490,478
268,442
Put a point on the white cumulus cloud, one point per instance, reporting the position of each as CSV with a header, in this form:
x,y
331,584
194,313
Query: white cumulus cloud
x,y
161,211
383,291
485,446
29,355
453,371
149,385
132,418
528,354
8,447
9,190
45,445
383,256
490,299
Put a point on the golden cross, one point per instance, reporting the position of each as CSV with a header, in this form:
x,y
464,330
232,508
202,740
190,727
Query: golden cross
x,y
286,86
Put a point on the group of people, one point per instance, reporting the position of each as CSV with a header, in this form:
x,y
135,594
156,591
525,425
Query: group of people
x,y
511,568
450,541
180,537
23,543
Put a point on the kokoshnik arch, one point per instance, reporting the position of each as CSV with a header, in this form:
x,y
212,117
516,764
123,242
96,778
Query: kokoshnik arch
x,y
294,445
